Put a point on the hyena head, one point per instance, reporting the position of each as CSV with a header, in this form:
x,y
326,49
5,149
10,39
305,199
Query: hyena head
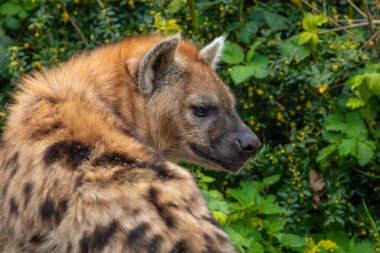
x,y
190,109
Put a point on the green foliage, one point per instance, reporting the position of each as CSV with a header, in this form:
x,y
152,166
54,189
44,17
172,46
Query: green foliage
x,y
311,95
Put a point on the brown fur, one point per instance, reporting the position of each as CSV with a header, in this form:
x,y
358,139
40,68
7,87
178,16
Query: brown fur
x,y
84,158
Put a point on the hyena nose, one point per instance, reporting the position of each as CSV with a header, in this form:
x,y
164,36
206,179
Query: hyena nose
x,y
248,143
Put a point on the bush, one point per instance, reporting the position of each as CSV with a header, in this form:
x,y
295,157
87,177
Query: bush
x,y
308,87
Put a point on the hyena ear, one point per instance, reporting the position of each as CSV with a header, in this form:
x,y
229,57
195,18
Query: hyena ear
x,y
158,58
210,54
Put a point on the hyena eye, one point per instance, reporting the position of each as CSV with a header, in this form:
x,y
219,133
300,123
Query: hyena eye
x,y
202,111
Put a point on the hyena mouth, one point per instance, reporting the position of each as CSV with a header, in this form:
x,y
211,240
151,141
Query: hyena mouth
x,y
205,154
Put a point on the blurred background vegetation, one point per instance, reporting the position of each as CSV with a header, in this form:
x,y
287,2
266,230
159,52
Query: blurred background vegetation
x,y
307,78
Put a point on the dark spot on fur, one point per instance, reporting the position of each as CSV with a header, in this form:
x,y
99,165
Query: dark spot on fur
x,y
134,135
210,244
78,181
60,211
12,162
13,207
180,247
27,190
47,210
162,172
117,160
84,244
155,244
161,210
69,247
40,133
11,176
222,238
138,234
74,153
102,235
36,239
99,238
212,221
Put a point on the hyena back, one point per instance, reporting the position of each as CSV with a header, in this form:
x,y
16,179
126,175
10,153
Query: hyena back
x,y
87,148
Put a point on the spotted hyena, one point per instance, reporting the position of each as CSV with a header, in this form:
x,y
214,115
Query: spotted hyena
x,y
87,149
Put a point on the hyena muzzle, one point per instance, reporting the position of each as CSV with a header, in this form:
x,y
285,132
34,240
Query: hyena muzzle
x,y
88,148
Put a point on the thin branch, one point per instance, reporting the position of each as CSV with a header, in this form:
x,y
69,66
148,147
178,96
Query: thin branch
x,y
371,30
348,27
193,14
241,6
101,4
332,21
376,36
357,8
72,21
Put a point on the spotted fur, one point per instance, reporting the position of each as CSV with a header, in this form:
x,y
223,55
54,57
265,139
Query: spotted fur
x,y
85,158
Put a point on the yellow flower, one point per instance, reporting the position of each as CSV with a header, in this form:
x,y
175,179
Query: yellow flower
x,y
65,17
328,245
58,6
37,64
322,88
2,114
260,92
257,223
270,97
14,63
26,45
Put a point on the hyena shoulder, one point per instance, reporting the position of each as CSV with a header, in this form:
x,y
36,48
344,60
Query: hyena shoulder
x,y
84,158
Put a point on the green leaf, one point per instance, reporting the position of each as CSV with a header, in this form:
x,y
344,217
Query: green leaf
x,y
12,23
292,241
290,49
220,217
247,32
331,137
320,20
237,238
268,207
174,6
219,205
304,37
348,147
246,195
255,247
252,50
364,247
373,83
354,103
271,180
324,153
242,73
314,39
275,21
335,122
366,151
232,53
308,22
9,9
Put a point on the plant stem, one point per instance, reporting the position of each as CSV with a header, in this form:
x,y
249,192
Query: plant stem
x,y
193,14
371,30
241,5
